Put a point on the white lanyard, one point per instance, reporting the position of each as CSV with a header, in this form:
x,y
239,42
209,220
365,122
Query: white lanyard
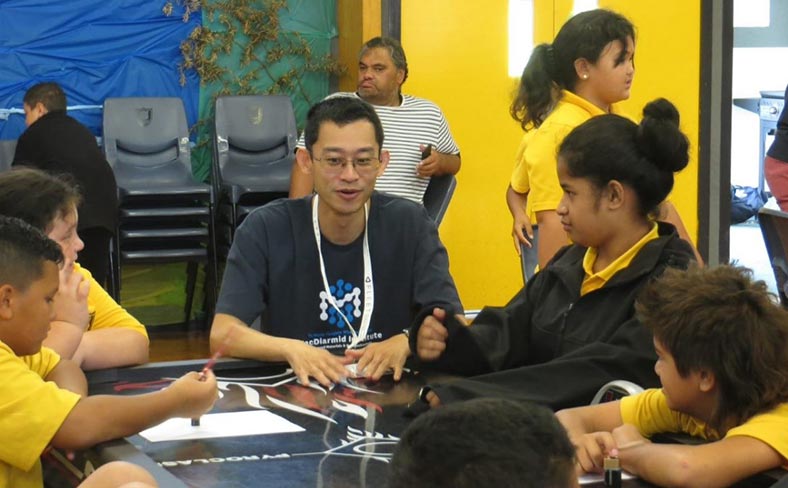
x,y
369,287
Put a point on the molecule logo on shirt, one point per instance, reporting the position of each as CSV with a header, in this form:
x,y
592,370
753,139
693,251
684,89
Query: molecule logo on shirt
x,y
348,299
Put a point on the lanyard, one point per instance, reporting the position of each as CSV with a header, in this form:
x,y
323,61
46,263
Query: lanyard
x,y
369,287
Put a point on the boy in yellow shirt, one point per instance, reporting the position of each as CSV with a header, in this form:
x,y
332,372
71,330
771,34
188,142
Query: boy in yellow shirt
x,y
43,399
722,348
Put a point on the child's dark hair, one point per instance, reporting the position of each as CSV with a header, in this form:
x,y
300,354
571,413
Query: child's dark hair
x,y
23,250
643,157
484,442
341,111
37,197
48,94
553,65
719,319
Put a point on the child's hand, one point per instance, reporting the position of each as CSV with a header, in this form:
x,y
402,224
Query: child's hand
x,y
71,299
591,451
195,396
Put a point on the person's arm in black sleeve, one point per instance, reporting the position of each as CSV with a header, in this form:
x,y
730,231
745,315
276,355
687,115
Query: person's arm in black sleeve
x,y
433,286
24,152
570,380
498,338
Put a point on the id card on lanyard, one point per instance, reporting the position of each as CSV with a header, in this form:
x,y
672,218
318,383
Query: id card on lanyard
x,y
369,287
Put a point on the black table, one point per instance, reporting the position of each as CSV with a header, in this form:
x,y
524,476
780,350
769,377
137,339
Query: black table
x,y
350,432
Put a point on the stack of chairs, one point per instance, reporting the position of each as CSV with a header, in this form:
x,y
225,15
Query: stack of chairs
x,y
165,215
254,145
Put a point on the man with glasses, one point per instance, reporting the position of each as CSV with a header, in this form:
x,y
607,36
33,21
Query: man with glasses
x,y
335,277
411,124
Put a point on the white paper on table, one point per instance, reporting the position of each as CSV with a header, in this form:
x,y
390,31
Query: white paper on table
x,y
353,371
593,478
230,424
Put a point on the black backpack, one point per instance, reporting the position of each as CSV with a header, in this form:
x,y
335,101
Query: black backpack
x,y
745,202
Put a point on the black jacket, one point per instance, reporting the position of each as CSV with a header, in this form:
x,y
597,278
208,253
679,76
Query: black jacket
x,y
550,345
57,144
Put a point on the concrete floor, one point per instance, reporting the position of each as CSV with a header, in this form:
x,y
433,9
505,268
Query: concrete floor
x,y
747,249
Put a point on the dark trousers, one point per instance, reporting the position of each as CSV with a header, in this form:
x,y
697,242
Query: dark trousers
x,y
95,256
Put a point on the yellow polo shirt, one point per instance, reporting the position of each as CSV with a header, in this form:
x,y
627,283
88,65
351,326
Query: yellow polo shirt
x,y
650,414
594,281
105,313
31,412
535,170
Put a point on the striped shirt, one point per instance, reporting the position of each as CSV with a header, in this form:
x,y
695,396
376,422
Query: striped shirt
x,y
416,121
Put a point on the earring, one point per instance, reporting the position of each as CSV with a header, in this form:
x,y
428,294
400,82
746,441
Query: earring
x,y
585,76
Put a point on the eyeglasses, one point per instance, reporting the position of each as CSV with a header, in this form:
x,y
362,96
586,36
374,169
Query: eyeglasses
x,y
362,165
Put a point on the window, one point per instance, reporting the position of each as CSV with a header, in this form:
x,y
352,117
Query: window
x,y
521,31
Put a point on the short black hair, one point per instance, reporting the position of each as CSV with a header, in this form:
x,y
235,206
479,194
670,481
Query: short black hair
x,y
48,94
23,250
37,197
484,442
341,111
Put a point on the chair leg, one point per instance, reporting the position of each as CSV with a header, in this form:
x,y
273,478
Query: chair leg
x,y
115,268
191,282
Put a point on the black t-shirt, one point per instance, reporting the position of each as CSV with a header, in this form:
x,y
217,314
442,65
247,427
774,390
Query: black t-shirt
x,y
57,143
273,271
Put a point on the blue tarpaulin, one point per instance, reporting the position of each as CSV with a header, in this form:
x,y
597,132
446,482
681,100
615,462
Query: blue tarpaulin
x,y
94,49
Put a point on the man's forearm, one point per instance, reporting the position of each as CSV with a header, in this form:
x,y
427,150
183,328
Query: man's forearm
x,y
449,164
239,340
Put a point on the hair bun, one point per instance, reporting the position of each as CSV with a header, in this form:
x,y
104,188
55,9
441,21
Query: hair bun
x,y
659,137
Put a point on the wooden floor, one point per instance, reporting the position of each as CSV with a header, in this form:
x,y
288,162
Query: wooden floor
x,y
178,345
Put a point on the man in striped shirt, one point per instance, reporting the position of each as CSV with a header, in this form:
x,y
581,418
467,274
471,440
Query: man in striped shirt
x,y
410,124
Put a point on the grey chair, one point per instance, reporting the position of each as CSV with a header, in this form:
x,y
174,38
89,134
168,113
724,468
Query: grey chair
x,y
615,390
774,227
165,215
438,195
529,257
7,150
254,143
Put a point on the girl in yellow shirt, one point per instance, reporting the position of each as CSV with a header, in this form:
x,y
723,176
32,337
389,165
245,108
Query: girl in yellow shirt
x,y
587,69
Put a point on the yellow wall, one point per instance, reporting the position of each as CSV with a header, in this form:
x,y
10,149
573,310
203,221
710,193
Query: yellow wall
x,y
357,22
457,55
667,63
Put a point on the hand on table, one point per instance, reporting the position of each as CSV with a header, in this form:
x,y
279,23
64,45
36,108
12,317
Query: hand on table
x,y
377,358
306,361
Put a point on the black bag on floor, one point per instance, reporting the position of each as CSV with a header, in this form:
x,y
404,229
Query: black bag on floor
x,y
745,202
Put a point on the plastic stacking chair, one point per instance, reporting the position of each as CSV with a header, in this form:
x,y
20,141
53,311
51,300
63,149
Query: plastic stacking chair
x,y
438,195
254,143
774,227
7,150
529,257
165,215
615,390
